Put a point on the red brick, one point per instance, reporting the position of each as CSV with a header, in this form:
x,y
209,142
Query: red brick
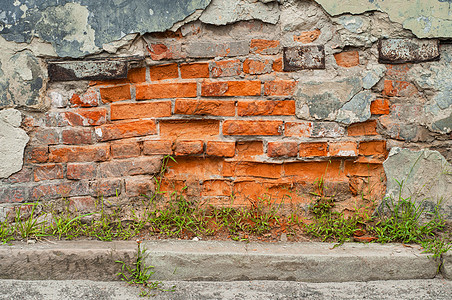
x,y
260,127
38,154
343,149
85,117
166,90
313,149
398,71
77,171
230,88
278,149
106,187
225,68
160,51
300,129
45,136
56,190
130,167
48,172
307,37
137,75
364,169
155,109
85,204
196,168
13,194
115,93
205,107
396,88
121,130
88,99
188,147
194,70
216,188
79,153
22,176
249,149
257,66
312,171
223,149
139,185
77,136
380,107
377,148
278,65
189,129
279,88
157,147
266,107
347,59
364,128
125,149
254,169
264,46
162,72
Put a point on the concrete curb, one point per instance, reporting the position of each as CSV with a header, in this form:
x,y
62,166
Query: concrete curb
x,y
66,260
307,262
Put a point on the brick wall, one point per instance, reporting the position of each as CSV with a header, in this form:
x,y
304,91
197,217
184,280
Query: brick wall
x,y
227,111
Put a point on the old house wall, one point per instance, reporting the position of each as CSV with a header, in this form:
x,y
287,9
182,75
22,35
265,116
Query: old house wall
x,y
253,99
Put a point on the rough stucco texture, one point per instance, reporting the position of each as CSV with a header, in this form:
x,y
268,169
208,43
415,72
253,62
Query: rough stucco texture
x,y
426,18
80,27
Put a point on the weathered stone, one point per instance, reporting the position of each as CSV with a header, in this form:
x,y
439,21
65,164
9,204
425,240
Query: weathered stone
x,y
222,12
446,269
407,50
80,27
12,142
303,57
425,177
211,49
373,76
357,109
87,70
426,19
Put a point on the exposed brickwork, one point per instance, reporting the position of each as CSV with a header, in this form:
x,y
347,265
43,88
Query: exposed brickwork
x,y
165,90
204,107
347,59
277,149
155,109
230,88
115,93
194,70
121,130
260,127
162,72
225,149
269,108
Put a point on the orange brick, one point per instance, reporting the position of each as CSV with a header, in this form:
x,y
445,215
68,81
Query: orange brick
x,y
189,129
364,169
364,128
380,107
79,171
264,46
226,68
377,148
266,107
254,169
38,154
79,153
121,130
155,109
115,93
85,117
257,67
77,136
205,107
278,65
300,129
396,88
137,75
231,88
312,171
278,149
194,70
157,147
307,37
279,88
48,172
166,90
125,149
188,147
88,99
347,59
195,168
343,149
223,149
248,149
216,188
313,149
260,127
162,72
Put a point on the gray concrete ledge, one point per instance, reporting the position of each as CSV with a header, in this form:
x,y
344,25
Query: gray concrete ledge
x,y
306,262
65,260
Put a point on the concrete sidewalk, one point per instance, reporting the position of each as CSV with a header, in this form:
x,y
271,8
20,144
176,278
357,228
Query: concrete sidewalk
x,y
219,261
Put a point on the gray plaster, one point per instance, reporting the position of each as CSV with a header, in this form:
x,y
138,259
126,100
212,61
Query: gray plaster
x,y
12,142
425,177
80,27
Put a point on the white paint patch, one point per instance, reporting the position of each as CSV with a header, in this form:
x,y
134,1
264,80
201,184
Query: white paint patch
x,y
98,132
151,12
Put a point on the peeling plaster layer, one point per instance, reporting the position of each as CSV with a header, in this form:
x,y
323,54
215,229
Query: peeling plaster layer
x,y
80,27
426,18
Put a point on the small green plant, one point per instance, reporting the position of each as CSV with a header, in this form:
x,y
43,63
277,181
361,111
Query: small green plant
x,y
5,233
29,227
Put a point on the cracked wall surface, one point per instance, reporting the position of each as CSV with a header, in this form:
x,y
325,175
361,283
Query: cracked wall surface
x,y
293,84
